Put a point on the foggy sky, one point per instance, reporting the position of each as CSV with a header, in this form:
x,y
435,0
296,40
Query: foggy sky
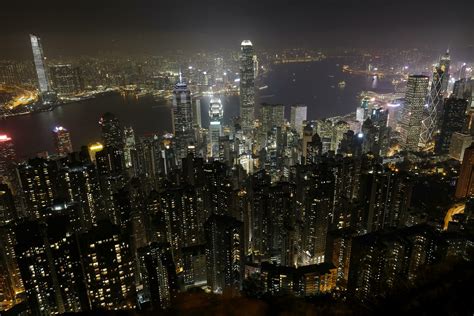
x,y
148,26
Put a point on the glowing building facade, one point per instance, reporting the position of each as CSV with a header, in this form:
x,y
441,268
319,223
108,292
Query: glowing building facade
x,y
411,125
247,87
40,64
216,113
183,128
62,141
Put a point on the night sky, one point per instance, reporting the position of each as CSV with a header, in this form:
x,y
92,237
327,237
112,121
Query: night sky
x,y
148,26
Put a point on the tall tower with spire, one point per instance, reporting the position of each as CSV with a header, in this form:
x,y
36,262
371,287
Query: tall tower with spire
x,y
247,87
182,116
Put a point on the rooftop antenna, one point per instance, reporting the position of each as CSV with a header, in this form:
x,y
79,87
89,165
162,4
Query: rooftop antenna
x,y
180,76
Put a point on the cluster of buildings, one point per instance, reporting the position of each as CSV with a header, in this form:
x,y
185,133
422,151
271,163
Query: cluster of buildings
x,y
302,207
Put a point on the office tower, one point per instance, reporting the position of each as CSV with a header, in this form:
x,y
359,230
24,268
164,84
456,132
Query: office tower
x,y
298,116
247,87
129,152
216,114
108,267
112,133
197,113
182,115
411,125
62,141
273,115
66,79
7,158
459,143
453,120
438,90
219,70
40,64
224,252
38,178
158,274
465,184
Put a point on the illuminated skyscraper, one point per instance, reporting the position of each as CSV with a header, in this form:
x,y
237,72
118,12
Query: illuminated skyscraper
x,y
439,86
182,119
39,182
297,117
453,120
62,141
216,113
66,79
224,252
158,274
247,87
130,146
219,70
7,158
40,64
272,115
112,132
108,267
411,125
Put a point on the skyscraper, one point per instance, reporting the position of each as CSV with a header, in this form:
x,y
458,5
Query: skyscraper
x,y
62,141
439,86
465,184
66,79
182,119
158,274
247,87
129,146
108,267
216,113
7,157
272,115
454,120
40,64
411,125
112,132
297,117
224,252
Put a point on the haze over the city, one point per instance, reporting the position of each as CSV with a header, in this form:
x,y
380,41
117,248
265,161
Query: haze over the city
x,y
145,26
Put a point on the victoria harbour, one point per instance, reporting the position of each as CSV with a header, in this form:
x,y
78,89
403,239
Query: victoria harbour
x,y
314,84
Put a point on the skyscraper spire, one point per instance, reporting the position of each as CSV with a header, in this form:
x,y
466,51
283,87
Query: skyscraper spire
x,y
180,76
